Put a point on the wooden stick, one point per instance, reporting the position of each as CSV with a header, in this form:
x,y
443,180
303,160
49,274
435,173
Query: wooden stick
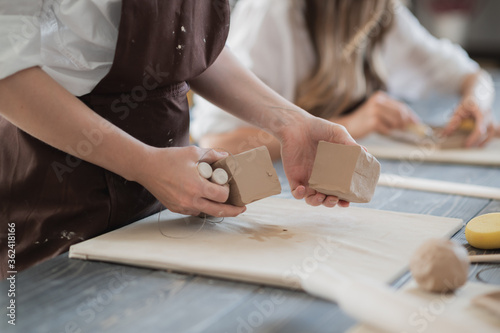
x,y
431,185
485,258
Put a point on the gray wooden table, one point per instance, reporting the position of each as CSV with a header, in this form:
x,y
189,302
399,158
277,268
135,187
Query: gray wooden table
x,y
63,295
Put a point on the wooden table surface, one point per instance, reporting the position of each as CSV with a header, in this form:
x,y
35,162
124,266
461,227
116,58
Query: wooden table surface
x,y
63,295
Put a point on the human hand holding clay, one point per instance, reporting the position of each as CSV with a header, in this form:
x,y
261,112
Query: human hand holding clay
x,y
380,113
299,145
233,88
173,177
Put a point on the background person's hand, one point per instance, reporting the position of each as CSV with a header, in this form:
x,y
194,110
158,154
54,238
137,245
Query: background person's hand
x,y
477,99
484,127
380,113
298,151
172,176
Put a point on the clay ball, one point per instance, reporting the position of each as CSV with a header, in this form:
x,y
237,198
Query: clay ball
x,y
440,265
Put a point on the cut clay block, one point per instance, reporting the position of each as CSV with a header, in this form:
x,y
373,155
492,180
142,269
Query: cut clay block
x,y
347,172
251,176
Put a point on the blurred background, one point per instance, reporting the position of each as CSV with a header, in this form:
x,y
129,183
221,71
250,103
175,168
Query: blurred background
x,y
474,24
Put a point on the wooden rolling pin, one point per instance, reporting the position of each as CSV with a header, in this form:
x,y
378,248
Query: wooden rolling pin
x,y
439,186
485,258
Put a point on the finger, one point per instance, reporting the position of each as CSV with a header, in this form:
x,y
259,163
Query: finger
x,y
390,120
476,137
396,114
211,155
214,192
487,138
316,199
473,139
479,134
490,135
330,201
383,128
454,123
343,203
219,209
403,115
299,192
183,211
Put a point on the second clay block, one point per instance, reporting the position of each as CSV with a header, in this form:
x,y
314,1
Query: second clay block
x,y
251,176
347,172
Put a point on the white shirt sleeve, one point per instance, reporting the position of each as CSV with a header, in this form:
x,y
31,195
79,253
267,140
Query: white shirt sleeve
x,y
73,41
19,35
417,63
268,37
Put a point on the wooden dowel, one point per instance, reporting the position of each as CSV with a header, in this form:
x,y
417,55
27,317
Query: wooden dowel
x,y
485,258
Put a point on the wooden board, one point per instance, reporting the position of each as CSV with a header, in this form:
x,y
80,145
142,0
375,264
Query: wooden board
x,y
384,147
276,242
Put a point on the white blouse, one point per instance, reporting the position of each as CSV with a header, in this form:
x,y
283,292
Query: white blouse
x,y
270,38
73,41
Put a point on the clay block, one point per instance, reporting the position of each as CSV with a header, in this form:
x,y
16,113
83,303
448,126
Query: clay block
x,y
251,176
347,172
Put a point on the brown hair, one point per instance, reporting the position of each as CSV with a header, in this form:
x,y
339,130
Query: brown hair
x,y
344,34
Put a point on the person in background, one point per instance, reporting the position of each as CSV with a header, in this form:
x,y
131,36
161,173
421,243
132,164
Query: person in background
x,y
94,119
350,62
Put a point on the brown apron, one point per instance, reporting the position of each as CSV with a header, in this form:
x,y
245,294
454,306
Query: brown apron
x,y
55,199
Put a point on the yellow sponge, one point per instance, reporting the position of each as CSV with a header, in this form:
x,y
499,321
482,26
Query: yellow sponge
x,y
483,231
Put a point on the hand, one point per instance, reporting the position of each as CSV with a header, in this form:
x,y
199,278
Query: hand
x,y
380,113
484,127
298,150
477,99
171,175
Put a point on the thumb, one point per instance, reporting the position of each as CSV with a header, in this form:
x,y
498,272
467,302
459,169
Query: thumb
x,y
299,192
453,124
